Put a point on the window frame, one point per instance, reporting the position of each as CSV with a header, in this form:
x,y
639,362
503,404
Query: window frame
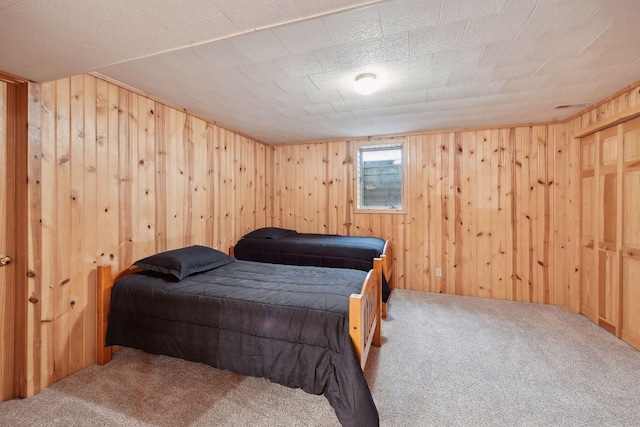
x,y
380,145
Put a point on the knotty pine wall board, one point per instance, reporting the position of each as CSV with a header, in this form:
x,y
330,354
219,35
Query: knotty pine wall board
x,y
113,177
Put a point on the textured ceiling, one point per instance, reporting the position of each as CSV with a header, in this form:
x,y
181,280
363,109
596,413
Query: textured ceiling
x,y
283,70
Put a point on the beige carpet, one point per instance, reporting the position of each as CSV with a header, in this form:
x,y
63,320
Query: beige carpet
x,y
445,360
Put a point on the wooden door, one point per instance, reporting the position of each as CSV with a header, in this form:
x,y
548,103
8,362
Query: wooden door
x,y
630,248
7,288
601,227
589,274
608,143
13,232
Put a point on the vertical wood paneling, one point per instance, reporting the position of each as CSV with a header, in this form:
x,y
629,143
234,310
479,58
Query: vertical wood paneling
x,y
89,219
235,179
48,232
456,272
518,217
177,177
226,186
147,192
102,172
534,237
186,174
160,178
429,178
112,211
32,381
213,179
469,241
537,180
114,177
130,144
260,176
484,213
338,208
438,244
77,291
59,336
245,187
507,215
496,230
200,187
126,125
61,281
557,267
418,238
480,207
527,215
447,191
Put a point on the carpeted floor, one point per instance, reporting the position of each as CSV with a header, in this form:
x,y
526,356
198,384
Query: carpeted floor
x,y
445,361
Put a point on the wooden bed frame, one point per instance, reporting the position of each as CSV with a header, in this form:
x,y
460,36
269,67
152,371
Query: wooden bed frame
x,y
364,311
386,259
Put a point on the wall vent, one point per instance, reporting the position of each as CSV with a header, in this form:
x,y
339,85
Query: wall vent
x,y
576,105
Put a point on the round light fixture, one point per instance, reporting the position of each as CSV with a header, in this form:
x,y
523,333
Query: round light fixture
x,y
365,83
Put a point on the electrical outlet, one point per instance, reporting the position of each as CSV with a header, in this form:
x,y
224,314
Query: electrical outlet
x,y
438,272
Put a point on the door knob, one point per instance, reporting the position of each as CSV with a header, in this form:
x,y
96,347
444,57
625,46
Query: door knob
x,y
4,259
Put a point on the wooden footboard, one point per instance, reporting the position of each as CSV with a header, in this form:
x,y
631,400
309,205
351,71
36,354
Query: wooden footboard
x,y
105,283
364,314
364,311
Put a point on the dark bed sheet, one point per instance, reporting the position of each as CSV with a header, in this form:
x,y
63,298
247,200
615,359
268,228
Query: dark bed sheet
x,y
320,250
285,323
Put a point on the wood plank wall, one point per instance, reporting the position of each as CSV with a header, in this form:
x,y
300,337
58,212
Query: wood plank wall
x,y
113,177
481,206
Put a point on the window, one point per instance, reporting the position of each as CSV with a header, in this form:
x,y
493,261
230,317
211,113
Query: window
x,y
380,177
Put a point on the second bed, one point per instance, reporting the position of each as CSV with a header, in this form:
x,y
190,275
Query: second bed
x,y
282,246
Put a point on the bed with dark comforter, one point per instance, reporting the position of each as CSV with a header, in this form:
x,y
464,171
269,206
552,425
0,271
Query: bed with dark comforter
x,y
282,246
285,323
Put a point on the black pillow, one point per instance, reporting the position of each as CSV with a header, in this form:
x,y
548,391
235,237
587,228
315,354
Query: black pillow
x,y
270,233
185,261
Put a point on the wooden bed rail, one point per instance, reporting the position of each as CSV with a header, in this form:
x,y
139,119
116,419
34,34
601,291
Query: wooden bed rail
x,y
387,259
364,311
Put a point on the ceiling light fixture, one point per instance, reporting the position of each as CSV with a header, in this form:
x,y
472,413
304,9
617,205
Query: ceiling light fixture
x,y
365,83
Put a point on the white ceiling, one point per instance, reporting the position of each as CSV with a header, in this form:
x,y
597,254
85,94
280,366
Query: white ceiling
x,y
283,70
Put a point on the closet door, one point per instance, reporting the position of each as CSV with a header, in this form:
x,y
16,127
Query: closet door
x,y
601,227
589,279
630,248
608,283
